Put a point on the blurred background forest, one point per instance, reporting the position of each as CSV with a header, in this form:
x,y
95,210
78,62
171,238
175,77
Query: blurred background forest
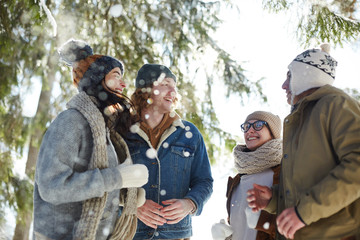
x,y
179,34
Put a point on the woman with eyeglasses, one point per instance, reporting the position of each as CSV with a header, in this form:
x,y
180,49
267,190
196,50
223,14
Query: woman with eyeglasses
x,y
258,161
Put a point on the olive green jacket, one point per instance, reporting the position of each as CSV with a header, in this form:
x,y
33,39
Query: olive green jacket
x,y
320,172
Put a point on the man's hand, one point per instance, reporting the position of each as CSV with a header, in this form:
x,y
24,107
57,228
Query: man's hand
x,y
258,197
288,223
150,214
176,210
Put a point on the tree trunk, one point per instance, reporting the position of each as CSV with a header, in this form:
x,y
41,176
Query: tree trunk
x,y
41,118
22,228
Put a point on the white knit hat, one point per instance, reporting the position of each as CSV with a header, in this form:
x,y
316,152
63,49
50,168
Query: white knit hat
x,y
312,68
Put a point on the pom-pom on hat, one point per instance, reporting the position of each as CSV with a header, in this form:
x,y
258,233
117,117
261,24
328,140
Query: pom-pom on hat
x,y
88,69
273,121
312,68
149,73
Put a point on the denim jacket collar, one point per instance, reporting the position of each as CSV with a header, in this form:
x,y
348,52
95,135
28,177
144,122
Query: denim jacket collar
x,y
167,133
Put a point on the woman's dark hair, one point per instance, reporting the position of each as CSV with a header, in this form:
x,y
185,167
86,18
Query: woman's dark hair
x,y
125,114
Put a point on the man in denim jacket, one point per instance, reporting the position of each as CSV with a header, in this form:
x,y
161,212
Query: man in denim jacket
x,y
173,150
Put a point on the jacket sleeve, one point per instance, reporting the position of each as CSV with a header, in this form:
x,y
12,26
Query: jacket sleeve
x,y
232,183
272,206
201,183
341,186
267,223
61,173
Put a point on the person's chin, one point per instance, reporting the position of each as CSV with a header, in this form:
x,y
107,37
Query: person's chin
x,y
168,107
252,147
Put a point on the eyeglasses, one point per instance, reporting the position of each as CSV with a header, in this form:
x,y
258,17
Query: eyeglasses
x,y
258,125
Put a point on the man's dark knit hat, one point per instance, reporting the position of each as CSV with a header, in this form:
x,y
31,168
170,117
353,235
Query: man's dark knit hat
x,y
149,73
88,69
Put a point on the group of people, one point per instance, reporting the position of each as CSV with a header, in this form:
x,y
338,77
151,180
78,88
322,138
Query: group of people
x,y
113,167
308,187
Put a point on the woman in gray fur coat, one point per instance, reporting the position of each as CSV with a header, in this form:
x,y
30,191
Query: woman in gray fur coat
x,y
83,161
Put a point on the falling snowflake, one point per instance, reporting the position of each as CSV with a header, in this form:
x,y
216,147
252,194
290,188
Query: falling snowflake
x,y
134,128
103,96
266,225
106,231
161,77
172,114
151,153
116,10
141,82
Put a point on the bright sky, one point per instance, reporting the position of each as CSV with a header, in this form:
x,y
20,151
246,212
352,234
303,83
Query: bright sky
x,y
266,45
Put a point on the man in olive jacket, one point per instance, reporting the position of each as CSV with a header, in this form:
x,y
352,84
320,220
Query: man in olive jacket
x,y
318,196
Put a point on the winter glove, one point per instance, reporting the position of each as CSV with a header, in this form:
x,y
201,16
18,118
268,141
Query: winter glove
x,y
135,175
140,197
220,231
251,217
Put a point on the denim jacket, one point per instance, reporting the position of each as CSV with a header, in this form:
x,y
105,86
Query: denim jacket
x,y
179,168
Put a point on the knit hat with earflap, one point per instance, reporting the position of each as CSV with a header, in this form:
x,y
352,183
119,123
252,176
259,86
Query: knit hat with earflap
x,y
88,69
273,121
149,73
312,68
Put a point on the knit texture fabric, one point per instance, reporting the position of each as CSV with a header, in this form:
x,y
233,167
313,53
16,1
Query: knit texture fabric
x,y
93,208
149,73
125,227
273,121
266,156
88,69
311,69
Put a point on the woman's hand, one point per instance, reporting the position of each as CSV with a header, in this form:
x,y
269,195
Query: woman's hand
x,y
258,197
150,214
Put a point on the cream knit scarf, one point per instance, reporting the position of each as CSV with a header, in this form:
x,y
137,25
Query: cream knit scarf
x,y
92,209
266,156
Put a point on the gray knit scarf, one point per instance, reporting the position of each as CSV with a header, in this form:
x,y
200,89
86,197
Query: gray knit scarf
x,y
266,156
93,208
